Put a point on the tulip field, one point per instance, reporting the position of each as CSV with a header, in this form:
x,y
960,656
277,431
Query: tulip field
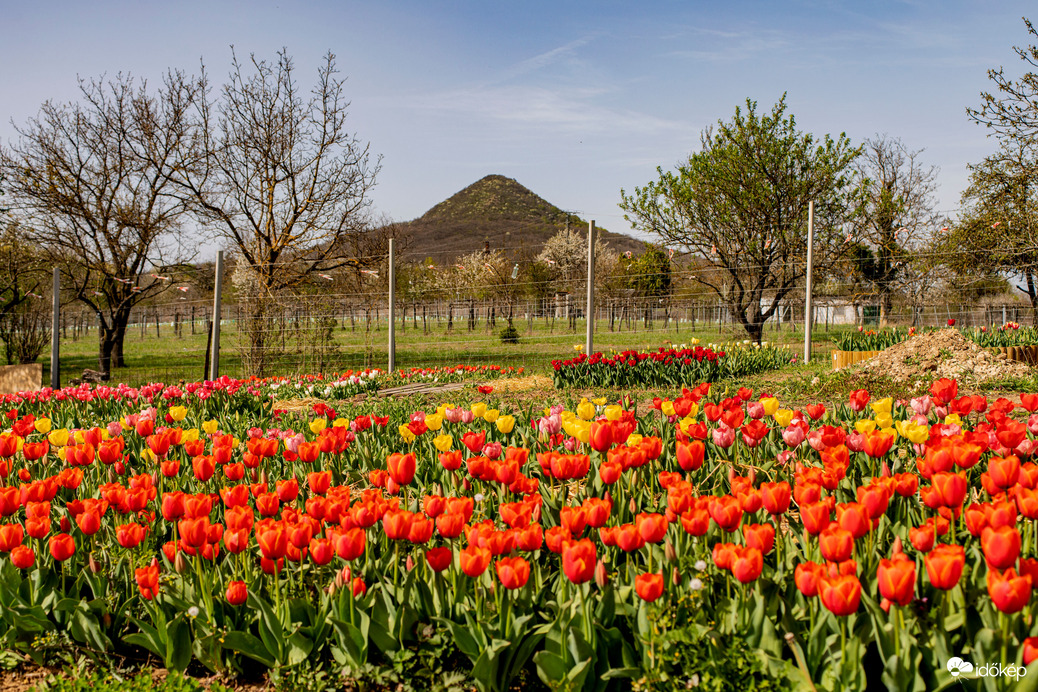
x,y
717,540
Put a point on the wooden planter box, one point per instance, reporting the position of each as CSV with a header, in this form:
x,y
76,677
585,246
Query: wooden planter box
x,y
843,359
1024,354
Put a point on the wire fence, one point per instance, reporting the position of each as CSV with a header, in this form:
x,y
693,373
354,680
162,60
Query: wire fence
x,y
332,333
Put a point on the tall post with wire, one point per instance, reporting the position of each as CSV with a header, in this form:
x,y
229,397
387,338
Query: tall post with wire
x,y
214,358
55,332
590,311
392,306
808,313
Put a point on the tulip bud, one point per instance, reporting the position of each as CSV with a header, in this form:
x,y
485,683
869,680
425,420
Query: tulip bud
x,y
111,475
669,551
632,506
409,563
601,578
789,637
885,605
255,475
466,484
897,546
675,577
106,619
154,477
93,565
752,475
608,497
731,474
331,588
180,562
263,477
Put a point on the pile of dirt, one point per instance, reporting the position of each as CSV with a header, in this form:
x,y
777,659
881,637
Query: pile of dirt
x,y
943,353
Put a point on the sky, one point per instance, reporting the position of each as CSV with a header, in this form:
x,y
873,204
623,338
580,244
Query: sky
x,y
575,100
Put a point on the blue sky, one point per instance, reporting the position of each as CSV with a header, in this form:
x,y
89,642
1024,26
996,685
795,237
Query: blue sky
x,y
575,100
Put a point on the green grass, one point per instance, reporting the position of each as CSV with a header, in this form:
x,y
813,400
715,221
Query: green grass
x,y
169,358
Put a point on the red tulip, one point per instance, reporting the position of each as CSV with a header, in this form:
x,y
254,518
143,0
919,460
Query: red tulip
x,y
726,511
1009,592
22,557
944,565
806,576
439,558
62,547
747,565
759,536
1001,546
690,455
474,560
897,580
651,527
649,586
578,560
148,580
775,497
513,572
401,468
237,593
836,544
840,594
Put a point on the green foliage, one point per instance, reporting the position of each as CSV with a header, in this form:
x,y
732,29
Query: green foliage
x,y
510,335
649,274
870,340
108,681
741,202
1010,334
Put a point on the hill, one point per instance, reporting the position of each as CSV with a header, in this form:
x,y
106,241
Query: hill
x,y
499,211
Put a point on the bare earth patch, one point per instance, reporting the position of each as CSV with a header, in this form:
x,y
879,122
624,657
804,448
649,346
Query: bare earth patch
x,y
944,353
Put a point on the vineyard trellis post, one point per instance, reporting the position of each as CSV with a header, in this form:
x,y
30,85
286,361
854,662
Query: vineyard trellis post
x,y
55,336
808,314
392,306
589,313
214,359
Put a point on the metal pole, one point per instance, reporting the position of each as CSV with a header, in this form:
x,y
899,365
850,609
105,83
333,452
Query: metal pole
x,y
214,359
392,306
590,311
55,351
808,315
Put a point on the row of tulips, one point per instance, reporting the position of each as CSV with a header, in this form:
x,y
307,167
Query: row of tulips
x,y
852,546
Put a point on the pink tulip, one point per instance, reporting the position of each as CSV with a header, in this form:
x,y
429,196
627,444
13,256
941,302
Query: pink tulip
x,y
793,436
723,436
855,441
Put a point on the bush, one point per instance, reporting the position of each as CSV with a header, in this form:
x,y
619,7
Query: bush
x,y
510,335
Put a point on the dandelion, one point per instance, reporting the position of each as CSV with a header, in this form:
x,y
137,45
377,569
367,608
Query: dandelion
x,y
700,565
696,584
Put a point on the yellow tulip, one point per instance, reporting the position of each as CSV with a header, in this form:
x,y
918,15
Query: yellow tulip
x,y
189,435
43,425
686,423
406,434
882,405
58,437
667,408
613,412
149,455
124,424
695,342
478,409
952,419
443,442
600,401
884,420
506,424
783,417
341,423
889,431
585,409
584,432
866,425
177,413
442,409
317,425
210,426
634,440
489,416
434,422
915,433
771,405
567,415
693,410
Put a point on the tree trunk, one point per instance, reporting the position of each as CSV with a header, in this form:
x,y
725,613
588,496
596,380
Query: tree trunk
x,y
886,301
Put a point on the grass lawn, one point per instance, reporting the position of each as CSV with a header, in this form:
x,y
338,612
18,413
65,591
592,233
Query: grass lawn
x,y
167,357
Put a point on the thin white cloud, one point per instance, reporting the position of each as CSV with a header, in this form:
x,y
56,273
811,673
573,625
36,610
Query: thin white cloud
x,y
543,60
570,110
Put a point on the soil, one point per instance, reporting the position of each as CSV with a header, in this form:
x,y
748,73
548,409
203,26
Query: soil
x,y
943,353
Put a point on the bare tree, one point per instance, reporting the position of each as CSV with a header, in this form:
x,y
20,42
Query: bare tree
x,y
898,215
280,177
88,182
